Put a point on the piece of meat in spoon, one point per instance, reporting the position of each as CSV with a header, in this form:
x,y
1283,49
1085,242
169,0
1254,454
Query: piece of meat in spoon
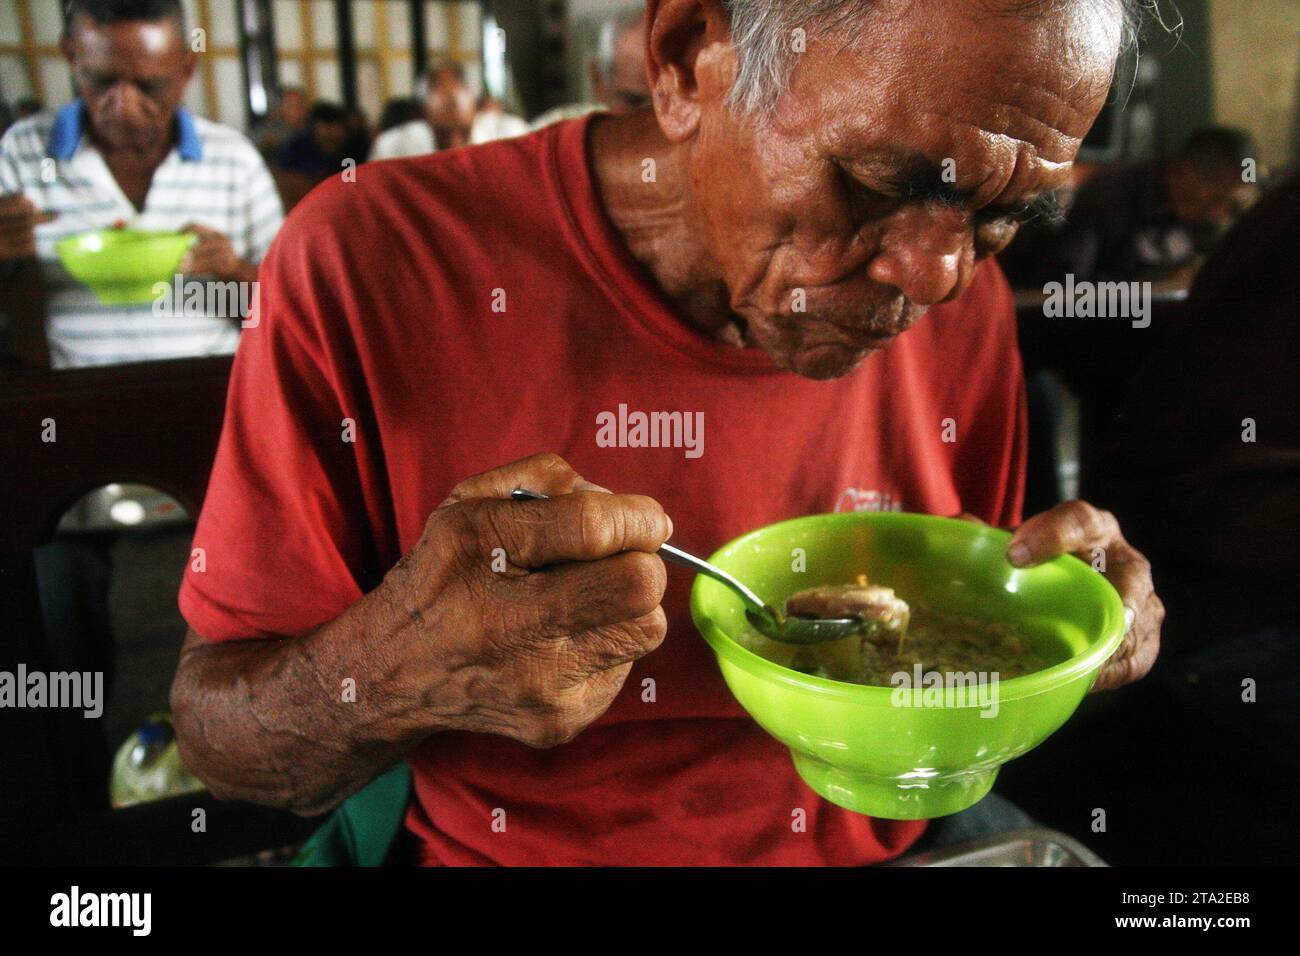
x,y
884,615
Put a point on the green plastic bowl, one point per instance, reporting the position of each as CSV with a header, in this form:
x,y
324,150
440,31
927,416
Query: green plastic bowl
x,y
897,753
122,266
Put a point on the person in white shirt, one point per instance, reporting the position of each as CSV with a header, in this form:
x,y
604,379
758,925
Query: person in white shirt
x,y
492,121
448,117
618,73
125,152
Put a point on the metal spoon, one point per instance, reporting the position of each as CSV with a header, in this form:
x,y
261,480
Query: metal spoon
x,y
767,620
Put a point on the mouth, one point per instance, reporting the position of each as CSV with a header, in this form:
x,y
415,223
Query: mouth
x,y
845,336
836,332
862,311
879,334
864,338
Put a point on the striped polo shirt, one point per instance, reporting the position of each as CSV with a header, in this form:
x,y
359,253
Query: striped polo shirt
x,y
213,176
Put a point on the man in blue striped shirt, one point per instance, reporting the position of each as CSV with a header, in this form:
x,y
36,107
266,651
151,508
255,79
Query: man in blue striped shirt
x,y
125,152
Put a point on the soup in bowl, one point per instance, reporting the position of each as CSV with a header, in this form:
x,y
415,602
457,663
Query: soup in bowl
x,y
917,725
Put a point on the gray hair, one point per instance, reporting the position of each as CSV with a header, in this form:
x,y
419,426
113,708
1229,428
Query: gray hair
x,y
763,33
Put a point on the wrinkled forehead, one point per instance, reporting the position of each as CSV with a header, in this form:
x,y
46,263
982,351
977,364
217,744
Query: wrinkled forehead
x,y
958,80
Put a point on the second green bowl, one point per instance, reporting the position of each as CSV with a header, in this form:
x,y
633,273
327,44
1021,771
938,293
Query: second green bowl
x,y
123,266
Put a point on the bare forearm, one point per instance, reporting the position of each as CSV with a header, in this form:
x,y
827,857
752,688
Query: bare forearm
x,y
534,653
303,722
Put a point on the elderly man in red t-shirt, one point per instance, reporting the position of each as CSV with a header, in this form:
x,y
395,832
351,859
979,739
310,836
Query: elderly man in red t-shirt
x,y
789,257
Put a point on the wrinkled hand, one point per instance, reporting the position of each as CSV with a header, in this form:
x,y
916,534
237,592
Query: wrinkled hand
x,y
526,616
1078,528
19,218
213,255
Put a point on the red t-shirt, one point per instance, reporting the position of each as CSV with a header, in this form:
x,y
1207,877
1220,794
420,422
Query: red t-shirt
x,y
377,305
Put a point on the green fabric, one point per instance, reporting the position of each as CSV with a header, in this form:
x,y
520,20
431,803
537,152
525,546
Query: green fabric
x,y
361,831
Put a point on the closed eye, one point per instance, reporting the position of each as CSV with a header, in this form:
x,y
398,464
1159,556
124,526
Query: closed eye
x,y
867,203
870,202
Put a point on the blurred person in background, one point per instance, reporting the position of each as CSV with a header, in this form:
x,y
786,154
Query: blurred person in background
x,y
319,149
1204,460
1157,220
492,121
447,118
618,74
1202,467
1149,221
356,143
125,151
397,111
332,136
287,120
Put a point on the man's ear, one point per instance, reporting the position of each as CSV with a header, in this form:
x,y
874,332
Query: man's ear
x,y
689,60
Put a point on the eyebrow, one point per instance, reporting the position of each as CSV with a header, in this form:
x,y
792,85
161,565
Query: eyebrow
x,y
915,177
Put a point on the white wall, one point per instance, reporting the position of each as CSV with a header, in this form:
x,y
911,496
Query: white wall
x,y
1255,56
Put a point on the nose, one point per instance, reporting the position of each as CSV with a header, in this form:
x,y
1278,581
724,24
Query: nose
x,y
125,101
926,253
